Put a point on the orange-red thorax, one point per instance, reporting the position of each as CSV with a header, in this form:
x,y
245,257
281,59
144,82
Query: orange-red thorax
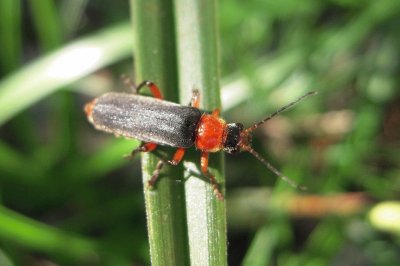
x,y
210,133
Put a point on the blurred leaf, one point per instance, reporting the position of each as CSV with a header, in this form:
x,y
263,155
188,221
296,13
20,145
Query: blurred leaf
x,y
70,63
10,34
4,260
47,23
386,217
40,237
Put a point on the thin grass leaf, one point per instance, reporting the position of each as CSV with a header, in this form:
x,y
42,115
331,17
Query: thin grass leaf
x,y
74,61
11,41
197,40
156,60
47,23
29,233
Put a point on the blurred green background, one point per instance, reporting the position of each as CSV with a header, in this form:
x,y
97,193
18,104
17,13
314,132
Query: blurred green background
x,y
68,197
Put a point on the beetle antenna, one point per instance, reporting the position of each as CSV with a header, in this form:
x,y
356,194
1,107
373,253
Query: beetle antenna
x,y
273,169
280,110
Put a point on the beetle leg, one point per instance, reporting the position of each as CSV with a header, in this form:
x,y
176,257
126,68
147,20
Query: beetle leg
x,y
195,101
204,169
175,160
146,147
153,89
156,173
215,113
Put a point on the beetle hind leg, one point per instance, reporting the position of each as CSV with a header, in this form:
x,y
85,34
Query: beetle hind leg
x,y
144,147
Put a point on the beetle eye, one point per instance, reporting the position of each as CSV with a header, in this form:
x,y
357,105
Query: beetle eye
x,y
231,144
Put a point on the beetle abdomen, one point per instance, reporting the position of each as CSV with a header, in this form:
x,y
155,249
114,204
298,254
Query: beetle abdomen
x,y
145,118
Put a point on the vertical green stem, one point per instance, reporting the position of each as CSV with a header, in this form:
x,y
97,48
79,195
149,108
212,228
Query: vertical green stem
x,y
47,24
10,38
198,68
155,59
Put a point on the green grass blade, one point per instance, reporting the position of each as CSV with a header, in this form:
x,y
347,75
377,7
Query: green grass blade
x,y
262,247
10,38
198,68
64,66
156,60
5,260
47,24
20,229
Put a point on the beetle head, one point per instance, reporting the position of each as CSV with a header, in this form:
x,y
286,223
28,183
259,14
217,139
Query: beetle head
x,y
233,138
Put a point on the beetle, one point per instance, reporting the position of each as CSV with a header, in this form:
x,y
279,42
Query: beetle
x,y
155,121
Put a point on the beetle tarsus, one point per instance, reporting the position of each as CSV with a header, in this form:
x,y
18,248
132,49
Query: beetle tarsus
x,y
206,172
148,147
133,153
195,100
156,173
215,186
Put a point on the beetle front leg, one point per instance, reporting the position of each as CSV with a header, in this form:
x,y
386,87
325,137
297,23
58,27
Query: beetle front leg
x,y
176,159
206,172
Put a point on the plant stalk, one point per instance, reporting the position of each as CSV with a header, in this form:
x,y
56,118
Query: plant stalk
x,y
198,64
155,59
